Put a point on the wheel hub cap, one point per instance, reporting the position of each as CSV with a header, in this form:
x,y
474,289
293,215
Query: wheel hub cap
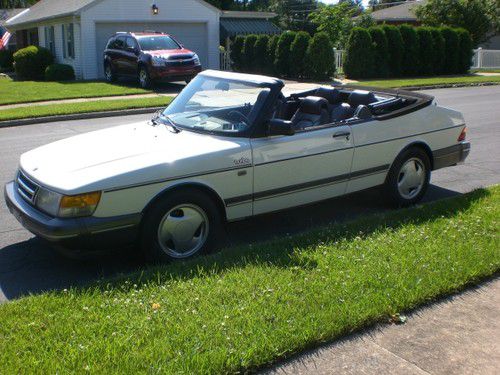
x,y
183,231
411,178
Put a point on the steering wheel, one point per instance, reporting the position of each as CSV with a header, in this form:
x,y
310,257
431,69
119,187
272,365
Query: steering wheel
x,y
237,115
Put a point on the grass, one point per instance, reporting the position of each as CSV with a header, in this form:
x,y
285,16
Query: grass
x,y
431,81
12,92
83,107
248,306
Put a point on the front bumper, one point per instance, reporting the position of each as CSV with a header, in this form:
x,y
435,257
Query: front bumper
x,y
174,73
79,233
452,155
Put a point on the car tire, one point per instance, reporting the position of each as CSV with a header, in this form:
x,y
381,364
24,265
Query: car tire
x,y
182,225
408,178
109,74
144,78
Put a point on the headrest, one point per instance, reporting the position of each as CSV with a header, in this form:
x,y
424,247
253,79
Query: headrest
x,y
359,97
313,105
329,93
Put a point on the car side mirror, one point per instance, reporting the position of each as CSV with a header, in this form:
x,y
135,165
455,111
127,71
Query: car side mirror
x,y
281,127
132,49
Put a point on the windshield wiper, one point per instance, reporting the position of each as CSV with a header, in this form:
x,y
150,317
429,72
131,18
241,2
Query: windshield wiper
x,y
171,123
158,117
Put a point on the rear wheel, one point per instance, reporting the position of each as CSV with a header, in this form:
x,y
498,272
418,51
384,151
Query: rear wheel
x,y
144,78
108,73
182,225
408,178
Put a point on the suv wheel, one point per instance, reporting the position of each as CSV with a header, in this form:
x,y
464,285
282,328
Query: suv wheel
x,y
409,177
182,225
108,73
144,78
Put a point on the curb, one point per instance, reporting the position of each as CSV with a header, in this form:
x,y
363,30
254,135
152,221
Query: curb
x,y
139,111
78,116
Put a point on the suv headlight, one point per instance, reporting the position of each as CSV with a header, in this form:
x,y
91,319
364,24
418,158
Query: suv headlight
x,y
67,206
158,61
196,59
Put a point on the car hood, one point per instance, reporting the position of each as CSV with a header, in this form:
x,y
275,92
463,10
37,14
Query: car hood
x,y
127,155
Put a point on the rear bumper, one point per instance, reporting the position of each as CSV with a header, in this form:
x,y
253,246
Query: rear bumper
x,y
452,155
80,233
174,73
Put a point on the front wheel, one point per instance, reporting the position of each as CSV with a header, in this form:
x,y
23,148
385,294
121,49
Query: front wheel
x,y
182,225
108,73
144,78
408,179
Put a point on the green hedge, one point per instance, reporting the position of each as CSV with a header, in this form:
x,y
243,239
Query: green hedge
x,y
272,46
359,59
452,55
59,72
410,62
395,49
380,52
465,54
260,50
248,54
439,51
30,62
426,51
236,54
6,59
282,61
320,57
298,51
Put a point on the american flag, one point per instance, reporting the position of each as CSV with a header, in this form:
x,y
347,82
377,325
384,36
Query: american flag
x,y
4,38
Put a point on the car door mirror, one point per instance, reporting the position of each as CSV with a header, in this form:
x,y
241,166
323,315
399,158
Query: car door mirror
x,y
281,127
132,50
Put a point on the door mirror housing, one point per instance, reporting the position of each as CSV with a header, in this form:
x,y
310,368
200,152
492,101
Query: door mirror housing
x,y
280,127
132,49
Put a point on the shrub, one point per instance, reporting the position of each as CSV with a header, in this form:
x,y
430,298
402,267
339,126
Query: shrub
x,y
410,62
359,54
236,53
320,57
426,51
30,62
465,51
439,50
452,56
395,49
59,72
248,63
282,62
260,51
380,52
6,59
271,54
298,50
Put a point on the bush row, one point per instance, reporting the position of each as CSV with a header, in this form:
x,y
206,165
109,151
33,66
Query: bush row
x,y
6,59
391,51
291,54
36,63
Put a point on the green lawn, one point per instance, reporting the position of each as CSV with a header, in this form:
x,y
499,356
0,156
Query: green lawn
x,y
12,92
248,306
431,81
83,107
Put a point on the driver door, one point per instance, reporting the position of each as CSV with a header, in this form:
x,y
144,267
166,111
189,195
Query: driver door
x,y
310,166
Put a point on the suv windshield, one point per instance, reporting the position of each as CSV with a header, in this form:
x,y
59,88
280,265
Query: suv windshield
x,y
216,105
153,43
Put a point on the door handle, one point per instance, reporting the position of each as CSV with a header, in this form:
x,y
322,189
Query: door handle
x,y
345,134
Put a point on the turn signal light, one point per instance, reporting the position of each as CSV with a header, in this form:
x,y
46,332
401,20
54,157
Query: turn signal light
x,y
463,135
79,205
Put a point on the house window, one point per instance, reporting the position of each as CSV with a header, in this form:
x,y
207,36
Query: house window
x,y
68,41
50,40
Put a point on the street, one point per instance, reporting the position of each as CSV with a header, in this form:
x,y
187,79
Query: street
x,y
27,266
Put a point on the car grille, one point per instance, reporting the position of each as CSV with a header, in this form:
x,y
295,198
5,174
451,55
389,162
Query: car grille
x,y
181,57
187,62
26,187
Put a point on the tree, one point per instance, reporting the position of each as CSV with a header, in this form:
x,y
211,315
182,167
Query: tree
x,y
10,4
359,54
439,50
294,14
479,17
465,51
365,19
282,62
272,46
395,49
380,52
237,52
298,51
452,56
336,21
426,51
409,65
320,57
249,53
261,55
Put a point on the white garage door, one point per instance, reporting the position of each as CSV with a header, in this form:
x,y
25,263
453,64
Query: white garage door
x,y
193,36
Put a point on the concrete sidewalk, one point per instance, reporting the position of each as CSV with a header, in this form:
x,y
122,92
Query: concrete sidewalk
x,y
460,335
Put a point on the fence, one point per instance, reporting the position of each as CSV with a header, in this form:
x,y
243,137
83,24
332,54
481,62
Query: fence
x,y
486,59
225,61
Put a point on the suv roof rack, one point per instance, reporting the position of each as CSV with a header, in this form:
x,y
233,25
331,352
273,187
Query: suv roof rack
x,y
153,32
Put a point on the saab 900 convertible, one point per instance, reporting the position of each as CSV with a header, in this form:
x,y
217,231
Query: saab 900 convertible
x,y
228,147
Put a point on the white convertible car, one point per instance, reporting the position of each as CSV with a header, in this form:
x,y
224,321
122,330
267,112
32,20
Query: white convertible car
x,y
230,146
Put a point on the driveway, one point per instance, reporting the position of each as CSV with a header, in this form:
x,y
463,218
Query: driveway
x,y
28,266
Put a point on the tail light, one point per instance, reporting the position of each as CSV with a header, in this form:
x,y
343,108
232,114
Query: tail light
x,y
462,135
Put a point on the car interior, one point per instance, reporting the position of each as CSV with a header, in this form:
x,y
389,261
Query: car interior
x,y
328,105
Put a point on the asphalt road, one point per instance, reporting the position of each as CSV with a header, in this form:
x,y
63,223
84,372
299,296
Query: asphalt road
x,y
27,266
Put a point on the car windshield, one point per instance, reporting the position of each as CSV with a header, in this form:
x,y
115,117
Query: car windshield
x,y
154,43
216,105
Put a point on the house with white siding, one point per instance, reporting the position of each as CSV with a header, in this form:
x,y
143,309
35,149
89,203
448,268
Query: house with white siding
x,y
76,31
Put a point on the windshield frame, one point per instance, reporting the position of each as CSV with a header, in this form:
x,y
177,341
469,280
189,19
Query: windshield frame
x,y
274,86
